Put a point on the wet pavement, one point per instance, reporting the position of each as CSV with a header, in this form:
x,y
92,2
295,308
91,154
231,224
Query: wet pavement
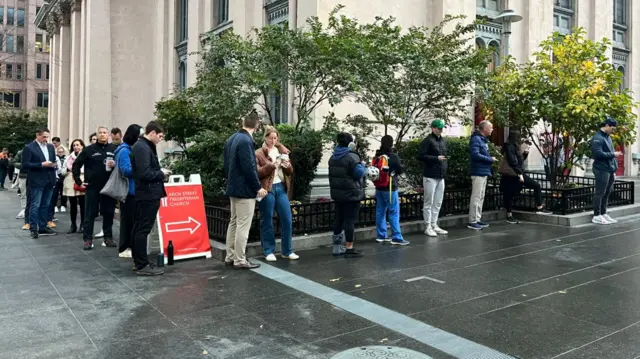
x,y
525,291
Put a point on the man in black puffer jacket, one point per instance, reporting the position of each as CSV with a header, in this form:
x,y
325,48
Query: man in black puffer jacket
x,y
98,162
346,181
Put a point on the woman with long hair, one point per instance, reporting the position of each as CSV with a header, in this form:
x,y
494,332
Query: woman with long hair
x,y
128,208
275,172
70,190
513,178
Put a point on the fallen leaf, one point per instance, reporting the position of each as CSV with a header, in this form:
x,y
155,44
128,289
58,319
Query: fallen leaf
x,y
524,295
384,340
261,326
334,280
204,352
358,285
562,291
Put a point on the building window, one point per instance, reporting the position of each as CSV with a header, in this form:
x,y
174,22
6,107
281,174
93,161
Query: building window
x,y
221,12
623,84
182,74
39,40
18,72
48,48
11,99
1,42
37,10
20,17
620,24
563,11
20,43
8,74
10,16
487,4
39,72
47,72
183,20
10,47
621,63
1,15
43,99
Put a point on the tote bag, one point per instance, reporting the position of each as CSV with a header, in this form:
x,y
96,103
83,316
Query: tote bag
x,y
117,186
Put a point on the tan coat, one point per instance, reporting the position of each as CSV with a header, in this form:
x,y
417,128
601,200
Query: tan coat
x,y
67,184
267,169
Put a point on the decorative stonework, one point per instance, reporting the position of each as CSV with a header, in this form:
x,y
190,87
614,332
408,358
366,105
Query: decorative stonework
x,y
64,9
277,11
76,5
53,23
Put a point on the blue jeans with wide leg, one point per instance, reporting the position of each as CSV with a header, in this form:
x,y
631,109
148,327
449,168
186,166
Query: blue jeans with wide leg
x,y
385,204
275,200
39,207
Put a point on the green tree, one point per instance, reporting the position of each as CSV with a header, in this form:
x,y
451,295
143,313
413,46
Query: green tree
x,y
17,127
407,78
559,99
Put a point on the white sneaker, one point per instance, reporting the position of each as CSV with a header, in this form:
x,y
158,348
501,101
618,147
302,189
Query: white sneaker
x,y
609,219
99,235
430,232
63,209
599,220
439,230
55,209
291,256
125,254
20,215
271,258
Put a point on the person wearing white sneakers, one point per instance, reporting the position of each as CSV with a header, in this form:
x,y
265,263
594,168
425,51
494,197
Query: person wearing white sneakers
x,y
275,172
433,152
605,164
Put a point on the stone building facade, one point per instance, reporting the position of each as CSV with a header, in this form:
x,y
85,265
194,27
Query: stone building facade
x,y
113,59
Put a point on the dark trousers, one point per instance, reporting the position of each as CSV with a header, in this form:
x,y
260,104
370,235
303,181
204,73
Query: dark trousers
x,y
57,193
127,218
27,208
75,202
346,217
92,199
145,217
511,186
3,176
39,207
604,185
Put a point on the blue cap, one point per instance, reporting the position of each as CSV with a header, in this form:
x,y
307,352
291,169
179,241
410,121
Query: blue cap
x,y
610,121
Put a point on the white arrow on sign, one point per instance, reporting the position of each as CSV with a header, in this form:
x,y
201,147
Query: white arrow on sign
x,y
183,226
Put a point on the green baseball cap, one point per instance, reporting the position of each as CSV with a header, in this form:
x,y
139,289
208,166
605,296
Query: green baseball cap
x,y
437,124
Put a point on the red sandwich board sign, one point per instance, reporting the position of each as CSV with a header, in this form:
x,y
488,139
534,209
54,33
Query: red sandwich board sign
x,y
182,219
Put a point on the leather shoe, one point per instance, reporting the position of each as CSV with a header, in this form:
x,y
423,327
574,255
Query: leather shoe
x,y
246,265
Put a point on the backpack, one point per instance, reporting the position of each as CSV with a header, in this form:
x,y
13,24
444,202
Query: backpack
x,y
382,164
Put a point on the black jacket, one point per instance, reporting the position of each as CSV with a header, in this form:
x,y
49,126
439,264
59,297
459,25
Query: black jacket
x,y
240,166
147,175
346,176
395,168
513,157
17,162
430,148
93,158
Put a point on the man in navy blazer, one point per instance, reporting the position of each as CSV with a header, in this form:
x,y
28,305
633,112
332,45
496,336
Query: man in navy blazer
x,y
39,160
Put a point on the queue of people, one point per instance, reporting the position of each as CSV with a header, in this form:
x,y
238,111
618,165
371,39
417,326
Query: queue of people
x,y
49,178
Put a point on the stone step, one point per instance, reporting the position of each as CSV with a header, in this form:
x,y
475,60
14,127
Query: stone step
x,y
575,219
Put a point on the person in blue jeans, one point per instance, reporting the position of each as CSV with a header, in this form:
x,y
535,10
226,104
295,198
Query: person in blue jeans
x,y
275,172
605,165
387,200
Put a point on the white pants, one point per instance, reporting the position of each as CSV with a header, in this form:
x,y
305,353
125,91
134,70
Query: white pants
x,y
478,186
22,184
433,194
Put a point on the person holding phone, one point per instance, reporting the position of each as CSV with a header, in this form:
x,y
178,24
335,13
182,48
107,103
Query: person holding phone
x,y
39,160
605,165
433,153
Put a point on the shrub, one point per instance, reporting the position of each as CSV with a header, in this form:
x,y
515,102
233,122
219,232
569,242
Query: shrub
x,y
457,176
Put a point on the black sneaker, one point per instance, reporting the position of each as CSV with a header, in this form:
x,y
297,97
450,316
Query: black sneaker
x,y
34,235
88,245
512,220
149,271
109,243
352,253
47,232
72,230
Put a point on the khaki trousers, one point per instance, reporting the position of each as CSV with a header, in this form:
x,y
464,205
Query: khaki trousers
x,y
478,187
242,210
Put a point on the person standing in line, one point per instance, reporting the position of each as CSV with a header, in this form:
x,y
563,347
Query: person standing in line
x,y
71,190
98,162
56,142
481,162
387,200
22,188
116,136
149,190
275,172
39,159
93,138
11,170
605,165
346,184
128,208
243,188
433,153
4,167
57,191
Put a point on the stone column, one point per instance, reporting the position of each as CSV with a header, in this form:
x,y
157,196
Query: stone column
x,y
195,18
98,65
54,59
82,127
170,38
64,72
75,130
633,70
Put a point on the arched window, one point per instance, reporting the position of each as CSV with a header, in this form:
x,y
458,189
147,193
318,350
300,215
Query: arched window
x,y
495,56
623,84
182,74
